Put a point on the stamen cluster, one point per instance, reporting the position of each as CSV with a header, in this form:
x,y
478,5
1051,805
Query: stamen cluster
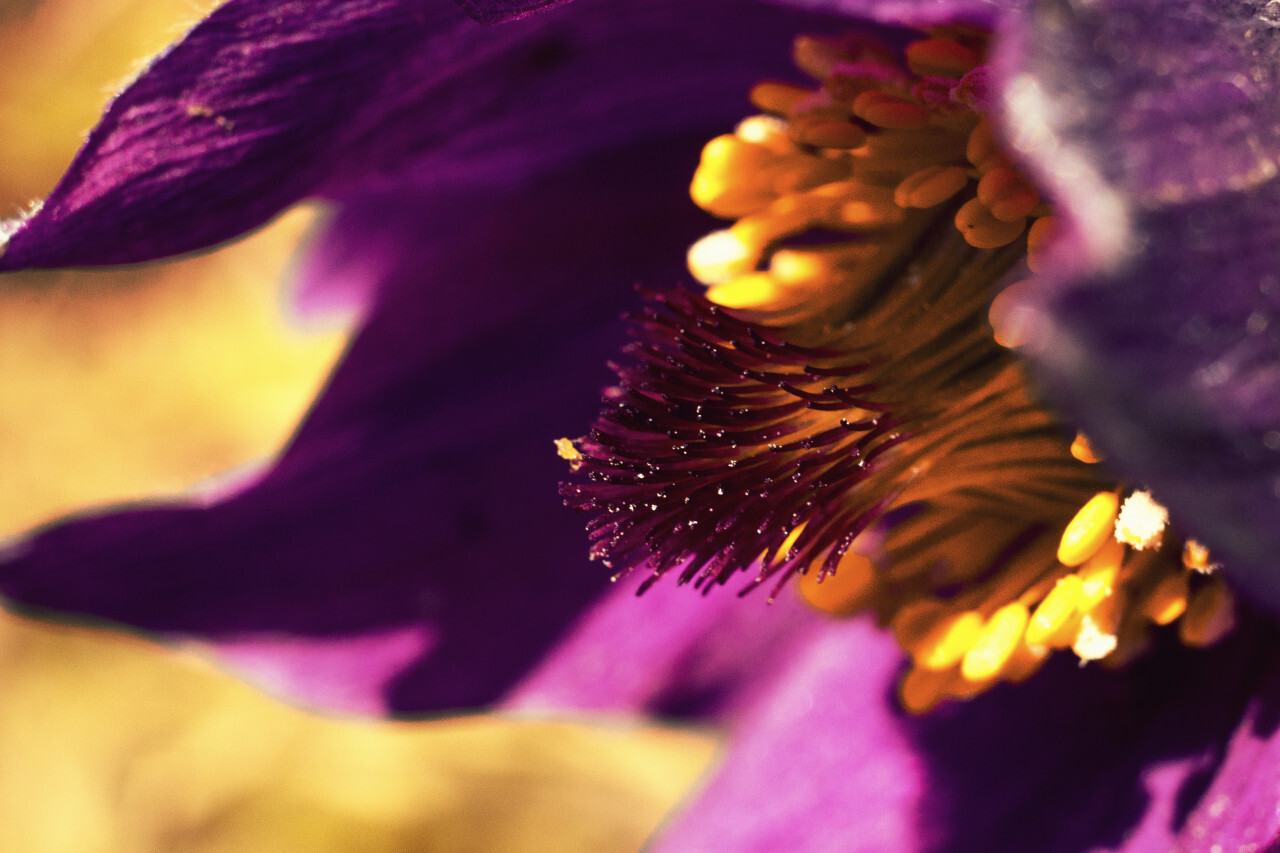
x,y
843,404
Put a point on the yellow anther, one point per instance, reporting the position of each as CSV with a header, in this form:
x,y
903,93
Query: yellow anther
x,y
777,98
732,177
1083,450
1089,529
721,256
565,450
930,187
950,639
941,58
999,638
1141,522
1196,558
816,56
1210,615
772,134
1168,600
921,689
1039,237
1011,324
982,150
889,111
1009,196
826,132
846,590
982,230
1098,574
1055,611
757,291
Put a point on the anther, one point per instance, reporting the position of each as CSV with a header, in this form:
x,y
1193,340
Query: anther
x,y
996,643
1210,615
982,230
941,58
1089,529
1083,449
930,186
1009,196
889,111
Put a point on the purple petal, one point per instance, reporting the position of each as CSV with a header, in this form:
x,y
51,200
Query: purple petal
x,y
262,105
421,491
497,11
1165,345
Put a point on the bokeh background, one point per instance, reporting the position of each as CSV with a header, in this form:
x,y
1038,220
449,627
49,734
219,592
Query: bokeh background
x,y
178,381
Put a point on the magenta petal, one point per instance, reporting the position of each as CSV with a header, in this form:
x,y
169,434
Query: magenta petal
x,y
226,128
262,105
1164,343
497,11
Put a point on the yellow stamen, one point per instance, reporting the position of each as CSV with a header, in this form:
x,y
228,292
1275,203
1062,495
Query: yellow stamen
x,y
1009,196
1084,451
888,111
1039,237
1168,600
1210,615
1089,529
930,186
721,256
1098,574
982,230
996,643
941,58
945,645
777,98
1055,611
846,590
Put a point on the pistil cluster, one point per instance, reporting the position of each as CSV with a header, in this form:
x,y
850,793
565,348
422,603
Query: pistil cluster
x,y
843,404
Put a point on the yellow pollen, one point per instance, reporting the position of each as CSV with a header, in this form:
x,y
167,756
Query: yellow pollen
x,y
1196,558
996,643
566,451
1095,641
1141,521
1089,529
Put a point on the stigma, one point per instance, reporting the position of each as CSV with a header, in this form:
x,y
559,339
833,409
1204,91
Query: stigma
x,y
842,404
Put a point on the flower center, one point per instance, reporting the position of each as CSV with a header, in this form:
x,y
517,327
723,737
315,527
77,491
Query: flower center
x,y
838,407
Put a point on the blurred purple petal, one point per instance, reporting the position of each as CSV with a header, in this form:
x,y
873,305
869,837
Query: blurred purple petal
x,y
421,490
1165,347
345,674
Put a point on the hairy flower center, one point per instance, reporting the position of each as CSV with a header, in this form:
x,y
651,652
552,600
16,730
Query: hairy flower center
x,y
837,405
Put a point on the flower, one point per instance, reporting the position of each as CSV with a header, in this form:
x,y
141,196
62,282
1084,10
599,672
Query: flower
x,y
499,145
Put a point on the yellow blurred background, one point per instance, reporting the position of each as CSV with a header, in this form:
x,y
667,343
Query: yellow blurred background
x,y
143,383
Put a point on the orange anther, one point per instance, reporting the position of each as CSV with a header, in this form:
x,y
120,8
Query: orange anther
x,y
889,111
941,58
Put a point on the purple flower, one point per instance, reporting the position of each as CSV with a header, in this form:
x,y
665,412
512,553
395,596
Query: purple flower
x,y
501,189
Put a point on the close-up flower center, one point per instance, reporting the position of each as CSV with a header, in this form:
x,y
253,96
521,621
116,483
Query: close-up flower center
x,y
844,402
